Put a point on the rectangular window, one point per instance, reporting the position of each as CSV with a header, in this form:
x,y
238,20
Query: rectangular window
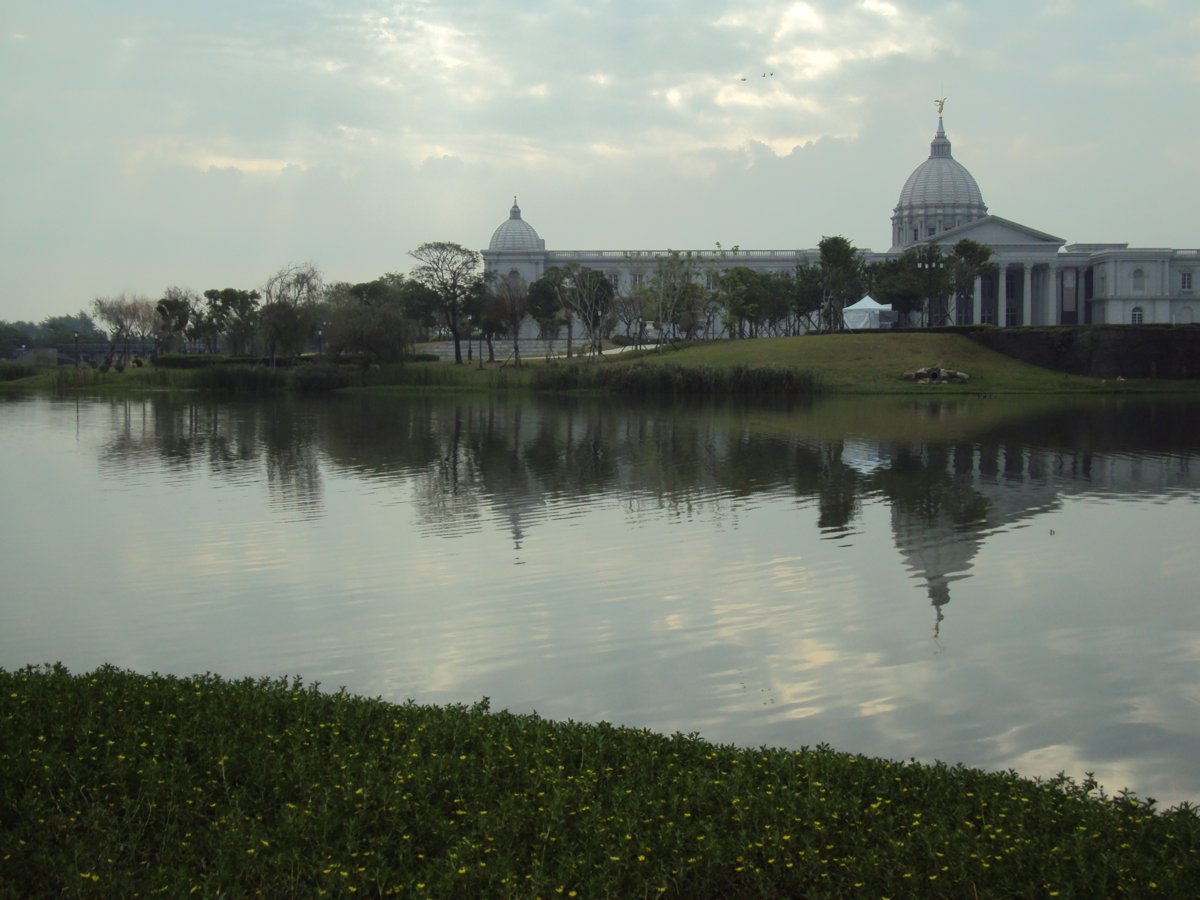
x,y
1185,281
1010,316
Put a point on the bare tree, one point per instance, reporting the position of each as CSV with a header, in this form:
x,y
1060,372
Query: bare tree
x,y
588,297
124,315
296,284
512,294
672,284
289,295
452,272
627,308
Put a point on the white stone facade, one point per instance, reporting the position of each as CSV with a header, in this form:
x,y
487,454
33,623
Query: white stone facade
x,y
1040,279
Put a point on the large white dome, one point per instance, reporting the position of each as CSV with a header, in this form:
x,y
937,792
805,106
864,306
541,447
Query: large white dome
x,y
515,234
940,194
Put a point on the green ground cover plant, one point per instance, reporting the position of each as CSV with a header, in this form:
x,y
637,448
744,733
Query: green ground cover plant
x,y
118,784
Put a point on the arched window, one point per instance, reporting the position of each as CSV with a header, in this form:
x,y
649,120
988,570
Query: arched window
x,y
1139,281
1136,317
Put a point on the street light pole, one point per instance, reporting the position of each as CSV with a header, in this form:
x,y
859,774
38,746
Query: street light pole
x,y
930,262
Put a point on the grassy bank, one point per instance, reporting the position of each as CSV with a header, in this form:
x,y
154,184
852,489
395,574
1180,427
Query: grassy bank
x,y
119,784
876,363
825,364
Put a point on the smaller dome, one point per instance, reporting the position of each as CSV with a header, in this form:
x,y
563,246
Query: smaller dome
x,y
515,234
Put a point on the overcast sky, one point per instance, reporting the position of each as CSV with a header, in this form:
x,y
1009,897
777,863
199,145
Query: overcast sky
x,y
206,143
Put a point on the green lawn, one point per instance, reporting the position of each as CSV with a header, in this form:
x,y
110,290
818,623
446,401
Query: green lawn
x,y
117,784
875,363
837,363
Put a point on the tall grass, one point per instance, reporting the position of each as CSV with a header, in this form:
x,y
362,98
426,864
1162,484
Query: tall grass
x,y
119,784
643,379
446,376
12,371
252,380
68,378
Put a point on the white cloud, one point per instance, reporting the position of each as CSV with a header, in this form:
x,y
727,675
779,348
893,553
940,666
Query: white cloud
x,y
881,8
562,103
800,17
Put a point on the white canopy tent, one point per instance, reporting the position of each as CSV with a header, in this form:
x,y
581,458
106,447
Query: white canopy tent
x,y
867,313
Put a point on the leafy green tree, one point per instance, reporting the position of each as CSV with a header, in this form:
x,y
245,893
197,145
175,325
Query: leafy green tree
x,y
546,304
452,272
967,261
841,279
806,294
232,313
369,321
491,316
14,335
173,314
420,303
64,329
745,295
898,283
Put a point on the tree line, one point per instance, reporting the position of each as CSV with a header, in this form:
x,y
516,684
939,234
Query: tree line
x,y
448,295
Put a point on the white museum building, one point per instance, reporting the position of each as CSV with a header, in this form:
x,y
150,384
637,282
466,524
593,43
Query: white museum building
x,y
1039,279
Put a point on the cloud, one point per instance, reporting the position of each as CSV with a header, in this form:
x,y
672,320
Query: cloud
x,y
575,106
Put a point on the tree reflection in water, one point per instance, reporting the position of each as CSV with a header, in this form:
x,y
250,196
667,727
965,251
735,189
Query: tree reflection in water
x,y
961,476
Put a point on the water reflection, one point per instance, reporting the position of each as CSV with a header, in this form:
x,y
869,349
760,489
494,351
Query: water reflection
x,y
476,462
761,575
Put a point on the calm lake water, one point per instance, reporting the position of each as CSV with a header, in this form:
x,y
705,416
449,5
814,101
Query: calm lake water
x,y
1003,584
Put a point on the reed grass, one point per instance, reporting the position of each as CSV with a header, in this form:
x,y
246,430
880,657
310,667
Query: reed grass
x,y
236,379
118,784
643,379
13,371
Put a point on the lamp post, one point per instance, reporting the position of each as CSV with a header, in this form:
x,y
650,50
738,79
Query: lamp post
x,y
76,335
930,262
320,343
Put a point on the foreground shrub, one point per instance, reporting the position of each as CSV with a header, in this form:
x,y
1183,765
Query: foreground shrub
x,y
118,784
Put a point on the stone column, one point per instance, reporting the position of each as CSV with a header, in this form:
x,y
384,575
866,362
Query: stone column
x,y
1053,307
1002,293
977,302
1027,296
